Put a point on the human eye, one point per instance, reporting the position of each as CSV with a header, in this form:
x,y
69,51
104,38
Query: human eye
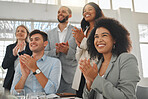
x,y
17,31
96,36
37,39
63,11
23,31
104,35
31,39
84,11
89,9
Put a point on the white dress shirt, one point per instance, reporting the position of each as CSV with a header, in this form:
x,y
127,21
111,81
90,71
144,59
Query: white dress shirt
x,y
62,34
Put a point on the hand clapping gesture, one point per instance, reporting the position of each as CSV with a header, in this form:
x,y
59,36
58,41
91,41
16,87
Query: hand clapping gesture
x,y
18,47
62,47
89,72
29,62
78,35
24,69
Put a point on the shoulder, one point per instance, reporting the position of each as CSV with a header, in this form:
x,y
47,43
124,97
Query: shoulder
x,y
52,59
11,45
127,58
50,31
71,26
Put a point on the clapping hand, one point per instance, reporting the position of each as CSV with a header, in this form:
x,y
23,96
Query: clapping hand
x,y
62,47
89,72
78,35
24,69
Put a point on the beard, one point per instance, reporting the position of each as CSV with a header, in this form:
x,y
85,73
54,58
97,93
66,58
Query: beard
x,y
64,20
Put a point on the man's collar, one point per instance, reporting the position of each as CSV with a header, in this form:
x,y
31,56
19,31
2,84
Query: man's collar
x,y
42,58
65,27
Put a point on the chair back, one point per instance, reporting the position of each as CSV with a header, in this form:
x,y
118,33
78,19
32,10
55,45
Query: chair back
x,y
142,92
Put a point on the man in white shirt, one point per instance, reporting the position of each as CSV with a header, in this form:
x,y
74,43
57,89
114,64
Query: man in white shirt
x,y
62,45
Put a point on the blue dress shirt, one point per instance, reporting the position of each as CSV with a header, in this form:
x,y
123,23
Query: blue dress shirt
x,y
50,67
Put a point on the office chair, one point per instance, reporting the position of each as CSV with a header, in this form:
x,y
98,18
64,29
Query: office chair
x,y
142,92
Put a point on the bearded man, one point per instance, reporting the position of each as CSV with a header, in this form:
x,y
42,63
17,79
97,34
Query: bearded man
x,y
61,44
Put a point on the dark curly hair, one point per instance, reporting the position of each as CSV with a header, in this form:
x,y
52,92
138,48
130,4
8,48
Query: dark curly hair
x,y
118,33
99,13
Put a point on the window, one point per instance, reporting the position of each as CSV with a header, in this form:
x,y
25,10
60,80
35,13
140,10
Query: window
x,y
7,34
143,34
104,4
141,6
95,1
122,4
35,1
44,26
77,3
26,1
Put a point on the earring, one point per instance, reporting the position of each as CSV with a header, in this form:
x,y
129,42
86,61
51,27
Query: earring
x,y
114,46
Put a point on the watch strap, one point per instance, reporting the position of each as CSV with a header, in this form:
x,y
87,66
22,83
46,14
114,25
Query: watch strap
x,y
37,72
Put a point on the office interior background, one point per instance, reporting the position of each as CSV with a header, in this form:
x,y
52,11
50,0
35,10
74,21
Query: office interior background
x,y
42,14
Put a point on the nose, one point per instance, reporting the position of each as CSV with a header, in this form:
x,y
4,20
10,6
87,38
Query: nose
x,y
85,12
99,39
32,41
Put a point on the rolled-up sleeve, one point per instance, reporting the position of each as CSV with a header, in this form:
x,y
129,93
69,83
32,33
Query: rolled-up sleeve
x,y
54,78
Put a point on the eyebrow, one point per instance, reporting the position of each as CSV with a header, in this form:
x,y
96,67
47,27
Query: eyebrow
x,y
34,38
105,33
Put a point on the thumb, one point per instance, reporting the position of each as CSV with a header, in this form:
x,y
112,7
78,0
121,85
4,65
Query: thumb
x,y
82,32
67,43
56,44
95,66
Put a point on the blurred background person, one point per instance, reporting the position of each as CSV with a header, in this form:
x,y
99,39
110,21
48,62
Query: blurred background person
x,y
11,58
91,12
116,74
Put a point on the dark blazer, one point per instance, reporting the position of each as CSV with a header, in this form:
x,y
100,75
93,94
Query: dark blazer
x,y
8,63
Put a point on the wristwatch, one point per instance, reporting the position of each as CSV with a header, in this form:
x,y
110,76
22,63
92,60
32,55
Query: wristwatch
x,y
37,72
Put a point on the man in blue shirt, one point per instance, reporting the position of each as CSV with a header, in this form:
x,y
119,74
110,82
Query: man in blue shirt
x,y
37,73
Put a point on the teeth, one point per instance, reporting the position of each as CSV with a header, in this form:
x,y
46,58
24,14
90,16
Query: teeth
x,y
87,15
101,45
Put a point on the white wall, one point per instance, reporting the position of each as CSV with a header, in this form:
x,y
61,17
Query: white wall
x,y
42,12
31,11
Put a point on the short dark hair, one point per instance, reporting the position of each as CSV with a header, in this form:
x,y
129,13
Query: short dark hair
x,y
44,35
99,13
118,32
69,10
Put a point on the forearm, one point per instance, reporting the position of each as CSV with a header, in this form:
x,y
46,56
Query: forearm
x,y
42,79
21,83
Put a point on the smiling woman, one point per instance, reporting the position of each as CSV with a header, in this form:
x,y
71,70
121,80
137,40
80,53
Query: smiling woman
x,y
116,69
